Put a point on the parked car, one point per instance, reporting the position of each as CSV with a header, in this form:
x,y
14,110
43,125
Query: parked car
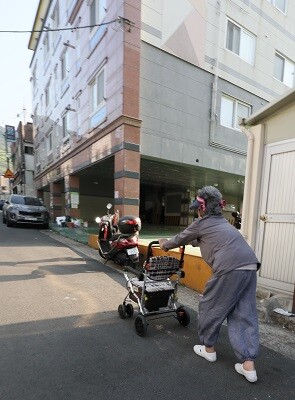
x,y
2,202
25,210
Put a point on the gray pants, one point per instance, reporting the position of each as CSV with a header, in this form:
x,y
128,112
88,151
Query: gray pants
x,y
233,297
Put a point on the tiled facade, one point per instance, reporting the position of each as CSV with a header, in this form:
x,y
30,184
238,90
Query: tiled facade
x,y
111,130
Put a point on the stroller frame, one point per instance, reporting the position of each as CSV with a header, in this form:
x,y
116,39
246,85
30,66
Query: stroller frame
x,y
153,291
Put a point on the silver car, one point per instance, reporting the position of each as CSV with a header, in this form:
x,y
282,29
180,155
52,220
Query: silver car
x,y
25,210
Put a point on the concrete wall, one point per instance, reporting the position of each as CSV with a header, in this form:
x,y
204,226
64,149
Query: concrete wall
x,y
280,126
175,103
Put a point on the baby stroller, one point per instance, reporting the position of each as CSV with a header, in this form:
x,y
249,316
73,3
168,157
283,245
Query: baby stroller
x,y
154,292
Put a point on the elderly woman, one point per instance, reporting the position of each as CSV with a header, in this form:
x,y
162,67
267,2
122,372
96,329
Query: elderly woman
x,y
230,294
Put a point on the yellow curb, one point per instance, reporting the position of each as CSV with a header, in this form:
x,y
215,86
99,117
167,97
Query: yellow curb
x,y
92,241
197,271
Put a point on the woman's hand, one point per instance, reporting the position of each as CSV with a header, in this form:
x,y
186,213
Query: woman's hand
x,y
162,242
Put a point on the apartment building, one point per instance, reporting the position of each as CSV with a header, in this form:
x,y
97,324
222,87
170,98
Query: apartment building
x,y
138,102
5,186
22,157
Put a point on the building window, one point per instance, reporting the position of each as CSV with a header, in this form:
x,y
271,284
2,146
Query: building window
x,y
97,91
232,110
284,70
34,79
55,18
97,11
37,156
47,95
64,64
240,41
65,126
279,4
49,143
55,85
29,150
46,49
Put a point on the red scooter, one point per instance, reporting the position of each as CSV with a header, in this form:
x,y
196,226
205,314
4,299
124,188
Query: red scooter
x,y
118,240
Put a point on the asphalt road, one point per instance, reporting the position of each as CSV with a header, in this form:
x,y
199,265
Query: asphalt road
x,y
61,337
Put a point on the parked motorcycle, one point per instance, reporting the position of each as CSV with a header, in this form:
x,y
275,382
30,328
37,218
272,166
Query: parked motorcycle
x,y
118,240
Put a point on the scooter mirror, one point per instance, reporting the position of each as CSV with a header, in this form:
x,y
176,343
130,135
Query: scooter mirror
x,y
97,220
109,206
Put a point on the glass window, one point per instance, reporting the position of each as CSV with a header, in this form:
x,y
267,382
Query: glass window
x,y
97,91
55,21
65,64
37,158
241,42
32,201
279,4
227,112
55,17
233,37
16,199
29,150
47,95
49,143
284,70
34,79
65,132
97,11
232,110
46,47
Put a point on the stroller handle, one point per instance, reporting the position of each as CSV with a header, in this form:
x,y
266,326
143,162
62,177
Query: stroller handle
x,y
155,243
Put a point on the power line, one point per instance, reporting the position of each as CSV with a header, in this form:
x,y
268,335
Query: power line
x,y
46,29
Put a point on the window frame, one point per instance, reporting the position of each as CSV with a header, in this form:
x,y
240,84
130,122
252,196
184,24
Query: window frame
x,y
64,59
95,107
46,47
284,78
274,3
47,94
65,127
37,156
243,34
234,117
96,15
49,144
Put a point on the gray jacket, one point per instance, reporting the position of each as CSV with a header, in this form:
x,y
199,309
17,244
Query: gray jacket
x,y
222,246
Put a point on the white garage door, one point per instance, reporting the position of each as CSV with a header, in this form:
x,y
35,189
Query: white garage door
x,y
277,218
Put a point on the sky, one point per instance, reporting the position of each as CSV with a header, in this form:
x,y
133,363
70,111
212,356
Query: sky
x,y
15,86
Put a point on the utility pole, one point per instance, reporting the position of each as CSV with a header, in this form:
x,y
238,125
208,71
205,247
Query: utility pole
x,y
9,136
6,152
21,143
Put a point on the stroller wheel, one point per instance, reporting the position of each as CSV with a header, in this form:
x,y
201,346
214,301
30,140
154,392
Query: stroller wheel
x,y
140,325
183,316
122,311
129,310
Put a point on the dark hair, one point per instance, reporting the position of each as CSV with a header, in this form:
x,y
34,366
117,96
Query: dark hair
x,y
213,200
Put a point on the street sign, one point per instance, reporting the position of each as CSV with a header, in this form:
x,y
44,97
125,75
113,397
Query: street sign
x,y
10,133
8,174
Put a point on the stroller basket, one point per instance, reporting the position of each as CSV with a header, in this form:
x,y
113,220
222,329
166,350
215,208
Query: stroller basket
x,y
159,268
154,292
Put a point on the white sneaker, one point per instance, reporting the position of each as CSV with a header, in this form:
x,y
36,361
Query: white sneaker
x,y
251,376
201,351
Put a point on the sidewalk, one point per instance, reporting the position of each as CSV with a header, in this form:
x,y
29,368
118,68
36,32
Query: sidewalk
x,y
267,301
81,234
